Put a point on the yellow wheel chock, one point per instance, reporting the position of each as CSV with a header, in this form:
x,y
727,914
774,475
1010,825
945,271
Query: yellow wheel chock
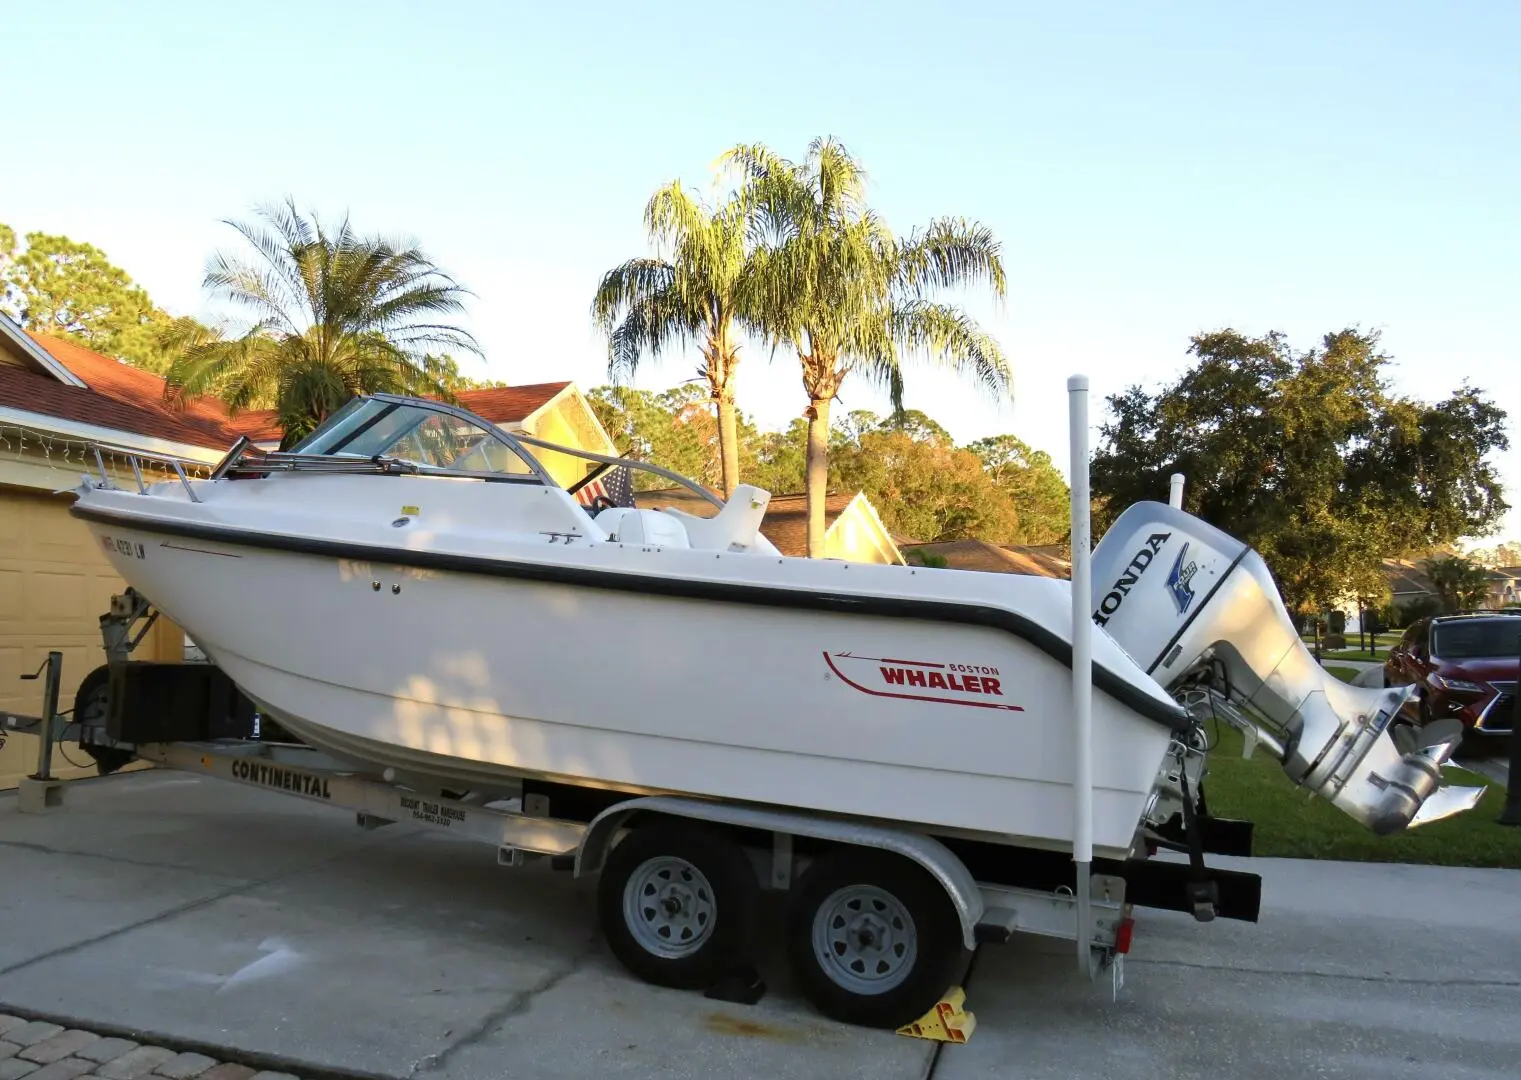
x,y
948,1021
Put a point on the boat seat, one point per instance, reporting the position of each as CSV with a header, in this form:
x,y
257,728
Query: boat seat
x,y
736,526
628,525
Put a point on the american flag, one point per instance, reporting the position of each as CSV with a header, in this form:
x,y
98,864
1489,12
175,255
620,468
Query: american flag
x,y
616,482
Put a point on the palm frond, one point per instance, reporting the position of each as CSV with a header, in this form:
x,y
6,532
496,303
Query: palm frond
x,y
653,322
951,252
953,339
623,286
673,216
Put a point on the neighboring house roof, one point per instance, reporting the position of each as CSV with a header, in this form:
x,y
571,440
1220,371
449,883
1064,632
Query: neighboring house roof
x,y
134,385
26,350
259,425
118,400
785,523
65,381
511,404
998,558
1406,579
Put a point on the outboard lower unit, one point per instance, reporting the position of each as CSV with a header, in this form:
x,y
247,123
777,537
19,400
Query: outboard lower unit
x,y
1200,612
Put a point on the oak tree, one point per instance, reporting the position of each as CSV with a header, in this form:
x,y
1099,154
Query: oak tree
x,y
1309,457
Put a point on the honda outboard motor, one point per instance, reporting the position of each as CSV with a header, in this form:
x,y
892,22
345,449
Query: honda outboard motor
x,y
1200,612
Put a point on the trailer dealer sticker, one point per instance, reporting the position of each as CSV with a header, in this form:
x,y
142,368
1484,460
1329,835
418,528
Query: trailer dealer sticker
x,y
434,813
978,685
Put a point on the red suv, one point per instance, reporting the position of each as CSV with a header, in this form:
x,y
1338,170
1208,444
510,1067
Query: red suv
x,y
1466,667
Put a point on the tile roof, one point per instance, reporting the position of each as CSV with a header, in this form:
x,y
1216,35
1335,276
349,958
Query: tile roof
x,y
260,425
129,399
115,396
509,404
785,523
996,558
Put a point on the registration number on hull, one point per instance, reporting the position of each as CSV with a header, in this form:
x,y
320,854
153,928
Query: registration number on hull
x,y
132,549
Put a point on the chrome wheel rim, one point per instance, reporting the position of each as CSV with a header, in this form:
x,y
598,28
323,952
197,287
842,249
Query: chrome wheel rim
x,y
668,907
865,939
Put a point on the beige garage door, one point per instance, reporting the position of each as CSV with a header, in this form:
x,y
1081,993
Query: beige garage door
x,y
54,586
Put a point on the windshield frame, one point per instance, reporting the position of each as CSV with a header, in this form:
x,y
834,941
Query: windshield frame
x,y
323,449
361,414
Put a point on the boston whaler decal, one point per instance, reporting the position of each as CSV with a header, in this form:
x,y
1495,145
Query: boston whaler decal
x,y
1121,587
978,685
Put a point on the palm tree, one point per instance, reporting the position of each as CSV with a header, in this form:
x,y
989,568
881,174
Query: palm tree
x,y
1459,583
705,294
849,297
333,315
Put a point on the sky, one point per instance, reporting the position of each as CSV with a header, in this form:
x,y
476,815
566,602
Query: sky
x,y
1153,171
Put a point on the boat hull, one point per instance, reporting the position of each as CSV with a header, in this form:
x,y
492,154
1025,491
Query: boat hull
x,y
476,678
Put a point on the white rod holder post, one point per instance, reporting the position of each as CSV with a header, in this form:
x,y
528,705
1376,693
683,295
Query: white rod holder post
x,y
1175,492
1082,666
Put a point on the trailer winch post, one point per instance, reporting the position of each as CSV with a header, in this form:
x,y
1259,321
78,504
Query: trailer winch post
x,y
42,790
49,717
1082,667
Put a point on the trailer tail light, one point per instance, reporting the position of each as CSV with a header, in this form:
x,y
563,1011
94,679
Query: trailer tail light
x,y
1123,935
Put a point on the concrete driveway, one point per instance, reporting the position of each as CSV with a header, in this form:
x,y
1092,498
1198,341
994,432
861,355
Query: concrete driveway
x,y
205,912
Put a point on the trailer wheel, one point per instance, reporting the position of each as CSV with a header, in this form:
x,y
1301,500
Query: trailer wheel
x,y
677,903
873,939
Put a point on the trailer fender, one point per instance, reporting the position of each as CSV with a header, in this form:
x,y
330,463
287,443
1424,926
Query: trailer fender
x,y
941,863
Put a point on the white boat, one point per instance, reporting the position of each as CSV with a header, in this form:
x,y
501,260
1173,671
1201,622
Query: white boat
x,y
412,595
409,589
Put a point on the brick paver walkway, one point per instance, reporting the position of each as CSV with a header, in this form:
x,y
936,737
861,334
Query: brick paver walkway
x,y
37,1050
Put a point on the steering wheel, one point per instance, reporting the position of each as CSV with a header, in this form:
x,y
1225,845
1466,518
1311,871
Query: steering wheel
x,y
601,503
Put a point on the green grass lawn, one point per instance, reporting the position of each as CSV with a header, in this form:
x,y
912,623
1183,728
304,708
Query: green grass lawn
x,y
1345,674
1290,824
1354,654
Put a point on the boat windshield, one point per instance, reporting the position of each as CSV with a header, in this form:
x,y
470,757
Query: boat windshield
x,y
433,437
424,435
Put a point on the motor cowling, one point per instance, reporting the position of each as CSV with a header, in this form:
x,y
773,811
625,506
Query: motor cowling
x,y
1194,607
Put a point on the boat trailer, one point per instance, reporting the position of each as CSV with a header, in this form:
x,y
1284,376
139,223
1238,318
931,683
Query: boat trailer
x,y
187,716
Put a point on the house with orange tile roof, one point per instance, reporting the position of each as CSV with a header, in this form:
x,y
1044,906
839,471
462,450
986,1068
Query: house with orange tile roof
x,y
59,402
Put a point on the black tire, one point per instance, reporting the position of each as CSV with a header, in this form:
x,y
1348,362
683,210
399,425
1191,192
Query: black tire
x,y
91,702
720,882
927,946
